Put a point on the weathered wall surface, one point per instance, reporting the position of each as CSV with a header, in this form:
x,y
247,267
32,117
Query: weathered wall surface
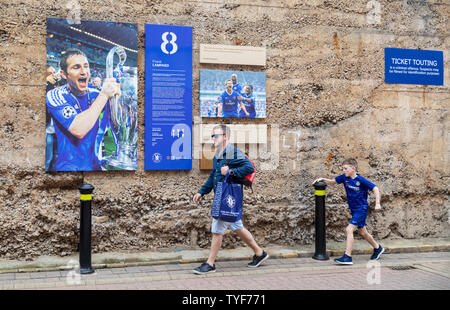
x,y
325,95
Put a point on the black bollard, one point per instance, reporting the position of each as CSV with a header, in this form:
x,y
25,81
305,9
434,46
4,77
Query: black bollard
x,y
321,249
85,228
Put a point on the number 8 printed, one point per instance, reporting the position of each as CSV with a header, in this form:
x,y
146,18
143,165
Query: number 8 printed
x,y
172,41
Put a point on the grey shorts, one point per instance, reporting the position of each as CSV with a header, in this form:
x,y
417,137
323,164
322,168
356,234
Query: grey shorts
x,y
219,227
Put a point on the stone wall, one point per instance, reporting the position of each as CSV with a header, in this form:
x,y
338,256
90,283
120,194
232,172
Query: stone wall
x,y
326,100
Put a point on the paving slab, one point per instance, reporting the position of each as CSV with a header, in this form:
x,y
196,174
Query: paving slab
x,y
160,259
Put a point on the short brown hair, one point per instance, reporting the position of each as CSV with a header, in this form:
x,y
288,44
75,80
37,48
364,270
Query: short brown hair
x,y
350,162
66,55
225,129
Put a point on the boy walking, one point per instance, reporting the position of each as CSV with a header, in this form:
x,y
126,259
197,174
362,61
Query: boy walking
x,y
357,189
232,160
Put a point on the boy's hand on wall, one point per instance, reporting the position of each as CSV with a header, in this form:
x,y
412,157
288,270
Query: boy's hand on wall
x,y
317,180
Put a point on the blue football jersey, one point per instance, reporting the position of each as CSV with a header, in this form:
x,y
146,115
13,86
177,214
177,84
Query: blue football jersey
x,y
357,190
237,88
230,104
249,106
75,154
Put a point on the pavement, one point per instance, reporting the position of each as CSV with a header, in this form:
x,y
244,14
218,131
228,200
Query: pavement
x,y
407,264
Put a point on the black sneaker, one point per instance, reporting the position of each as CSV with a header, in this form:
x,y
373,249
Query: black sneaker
x,y
205,268
377,252
257,260
344,260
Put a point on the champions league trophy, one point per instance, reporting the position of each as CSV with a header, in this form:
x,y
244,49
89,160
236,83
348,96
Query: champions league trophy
x,y
123,110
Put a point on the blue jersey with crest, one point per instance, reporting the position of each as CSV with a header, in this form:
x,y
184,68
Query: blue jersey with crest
x,y
357,190
249,106
230,104
237,88
75,154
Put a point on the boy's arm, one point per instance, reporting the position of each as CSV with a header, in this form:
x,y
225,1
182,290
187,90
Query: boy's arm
x,y
328,181
376,191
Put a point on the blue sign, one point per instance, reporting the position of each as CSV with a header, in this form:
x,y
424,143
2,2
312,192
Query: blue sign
x,y
405,66
168,97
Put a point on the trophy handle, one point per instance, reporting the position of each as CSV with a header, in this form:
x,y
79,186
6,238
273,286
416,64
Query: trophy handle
x,y
113,102
110,60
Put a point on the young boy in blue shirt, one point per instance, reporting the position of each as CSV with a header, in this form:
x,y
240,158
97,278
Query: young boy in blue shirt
x,y
357,189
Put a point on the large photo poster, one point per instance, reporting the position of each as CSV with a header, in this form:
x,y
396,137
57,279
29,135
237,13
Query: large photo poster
x,y
91,96
238,94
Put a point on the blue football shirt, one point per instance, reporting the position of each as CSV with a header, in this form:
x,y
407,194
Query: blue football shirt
x,y
237,88
249,106
357,190
230,104
75,154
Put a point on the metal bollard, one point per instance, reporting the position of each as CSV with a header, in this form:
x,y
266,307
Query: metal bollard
x,y
85,228
321,249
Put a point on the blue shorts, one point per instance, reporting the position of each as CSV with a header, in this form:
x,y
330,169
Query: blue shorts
x,y
219,227
359,217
